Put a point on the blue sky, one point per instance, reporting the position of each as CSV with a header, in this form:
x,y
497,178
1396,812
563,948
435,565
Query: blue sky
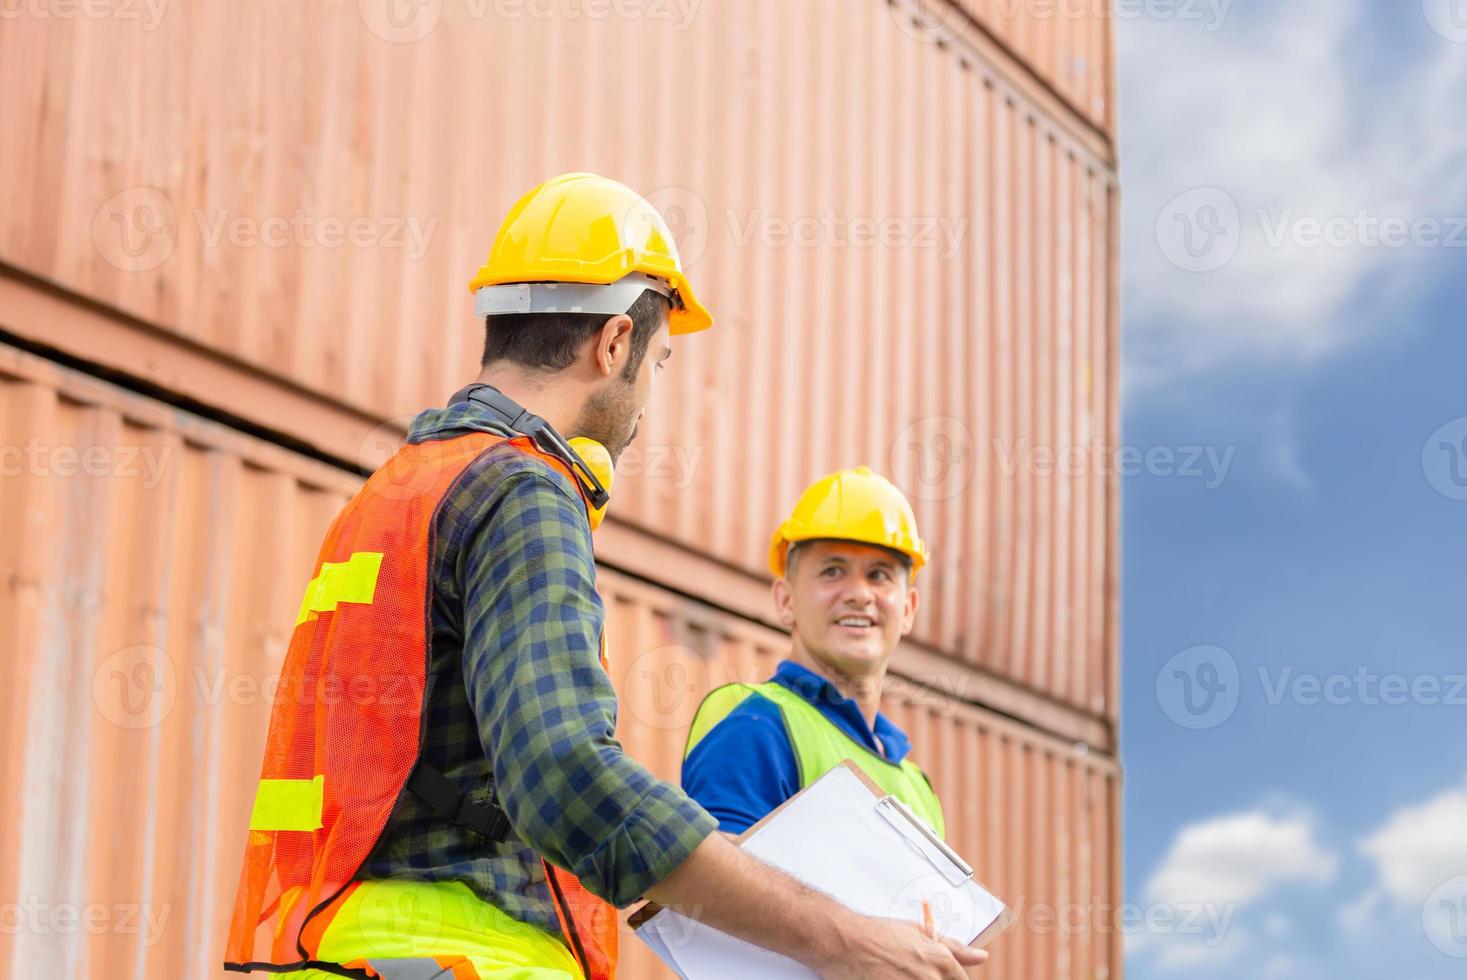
x,y
1294,284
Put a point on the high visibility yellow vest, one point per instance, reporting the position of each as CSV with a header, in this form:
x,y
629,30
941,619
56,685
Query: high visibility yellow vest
x,y
335,767
820,746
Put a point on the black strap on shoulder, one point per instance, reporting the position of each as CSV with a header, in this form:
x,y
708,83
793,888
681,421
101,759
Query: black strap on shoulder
x,y
541,432
487,820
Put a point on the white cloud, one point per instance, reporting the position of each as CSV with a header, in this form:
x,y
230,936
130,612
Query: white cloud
x,y
1359,917
1279,110
1239,858
1220,865
1420,846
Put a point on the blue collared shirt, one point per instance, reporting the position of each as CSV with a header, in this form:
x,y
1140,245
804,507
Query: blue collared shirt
x,y
745,766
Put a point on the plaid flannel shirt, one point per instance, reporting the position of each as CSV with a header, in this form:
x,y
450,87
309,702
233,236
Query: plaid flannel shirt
x,y
518,705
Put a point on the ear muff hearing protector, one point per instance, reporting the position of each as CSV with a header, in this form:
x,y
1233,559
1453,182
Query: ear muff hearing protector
x,y
598,461
588,459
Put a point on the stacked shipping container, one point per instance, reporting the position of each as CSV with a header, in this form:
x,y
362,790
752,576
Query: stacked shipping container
x,y
903,218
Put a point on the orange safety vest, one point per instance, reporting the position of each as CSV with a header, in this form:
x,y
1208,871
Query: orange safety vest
x,y
345,728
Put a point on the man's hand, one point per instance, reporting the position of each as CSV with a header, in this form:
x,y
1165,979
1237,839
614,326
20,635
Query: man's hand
x,y
744,897
893,949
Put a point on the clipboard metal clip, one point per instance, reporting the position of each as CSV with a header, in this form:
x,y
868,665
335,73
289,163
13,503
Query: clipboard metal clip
x,y
919,835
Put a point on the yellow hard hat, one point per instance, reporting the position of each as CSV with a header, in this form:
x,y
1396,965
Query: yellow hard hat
x,y
851,505
585,229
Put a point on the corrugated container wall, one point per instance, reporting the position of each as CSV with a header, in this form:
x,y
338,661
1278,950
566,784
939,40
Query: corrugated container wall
x,y
903,216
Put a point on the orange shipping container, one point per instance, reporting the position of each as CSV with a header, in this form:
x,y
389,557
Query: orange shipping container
x,y
909,245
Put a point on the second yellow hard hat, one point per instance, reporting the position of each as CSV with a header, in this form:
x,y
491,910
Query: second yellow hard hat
x,y
851,505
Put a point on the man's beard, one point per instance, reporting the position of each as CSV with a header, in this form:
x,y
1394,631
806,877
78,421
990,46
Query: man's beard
x,y
610,417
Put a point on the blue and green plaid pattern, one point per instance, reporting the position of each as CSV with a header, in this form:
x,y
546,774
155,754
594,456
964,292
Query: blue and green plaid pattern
x,y
517,699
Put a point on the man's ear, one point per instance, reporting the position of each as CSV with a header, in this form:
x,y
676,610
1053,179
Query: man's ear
x,y
784,603
612,345
909,610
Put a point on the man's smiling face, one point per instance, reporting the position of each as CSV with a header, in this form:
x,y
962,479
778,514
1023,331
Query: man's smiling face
x,y
847,605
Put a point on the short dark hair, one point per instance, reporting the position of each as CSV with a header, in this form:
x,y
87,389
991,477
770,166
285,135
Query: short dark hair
x,y
792,557
551,341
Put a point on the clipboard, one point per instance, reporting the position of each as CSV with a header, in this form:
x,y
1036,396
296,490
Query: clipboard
x,y
903,854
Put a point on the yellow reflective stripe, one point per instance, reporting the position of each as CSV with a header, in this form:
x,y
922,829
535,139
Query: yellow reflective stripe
x,y
288,804
353,580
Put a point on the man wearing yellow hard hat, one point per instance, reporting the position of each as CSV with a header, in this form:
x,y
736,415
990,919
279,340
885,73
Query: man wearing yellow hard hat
x,y
845,566
442,793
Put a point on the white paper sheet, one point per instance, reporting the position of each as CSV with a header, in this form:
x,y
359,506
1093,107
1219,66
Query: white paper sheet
x,y
833,838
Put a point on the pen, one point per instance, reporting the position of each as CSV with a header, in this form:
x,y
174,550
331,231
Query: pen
x,y
927,919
